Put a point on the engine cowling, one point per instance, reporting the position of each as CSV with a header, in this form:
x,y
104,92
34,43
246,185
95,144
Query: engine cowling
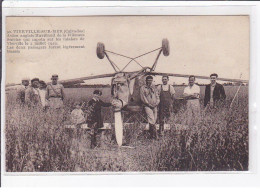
x,y
120,90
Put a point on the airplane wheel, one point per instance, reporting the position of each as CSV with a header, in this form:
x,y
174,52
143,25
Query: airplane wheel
x,y
165,47
100,50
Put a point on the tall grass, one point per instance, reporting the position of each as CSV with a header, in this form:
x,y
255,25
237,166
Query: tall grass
x,y
37,140
219,142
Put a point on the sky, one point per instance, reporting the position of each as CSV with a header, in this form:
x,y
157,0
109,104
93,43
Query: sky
x,y
199,45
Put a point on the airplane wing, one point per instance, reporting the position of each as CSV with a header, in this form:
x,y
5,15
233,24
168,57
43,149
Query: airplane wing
x,y
198,76
81,79
70,82
10,85
88,78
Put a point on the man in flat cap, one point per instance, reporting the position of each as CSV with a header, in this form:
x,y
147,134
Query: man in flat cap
x,y
150,99
94,115
55,93
21,90
32,95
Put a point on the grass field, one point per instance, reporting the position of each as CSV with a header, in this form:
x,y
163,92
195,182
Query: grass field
x,y
38,141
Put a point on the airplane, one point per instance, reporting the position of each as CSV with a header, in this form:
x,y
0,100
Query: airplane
x,y
125,86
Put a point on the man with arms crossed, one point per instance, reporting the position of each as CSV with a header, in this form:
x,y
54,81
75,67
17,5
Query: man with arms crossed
x,y
150,99
191,94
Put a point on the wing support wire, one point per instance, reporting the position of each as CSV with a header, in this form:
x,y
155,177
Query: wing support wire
x,y
134,59
112,63
156,60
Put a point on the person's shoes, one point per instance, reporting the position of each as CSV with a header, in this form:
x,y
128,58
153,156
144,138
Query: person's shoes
x,y
125,144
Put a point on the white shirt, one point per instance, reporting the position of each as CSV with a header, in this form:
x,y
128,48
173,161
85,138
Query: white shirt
x,y
195,89
77,116
212,87
42,97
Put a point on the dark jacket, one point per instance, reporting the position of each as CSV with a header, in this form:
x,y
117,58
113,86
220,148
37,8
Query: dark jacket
x,y
94,116
218,94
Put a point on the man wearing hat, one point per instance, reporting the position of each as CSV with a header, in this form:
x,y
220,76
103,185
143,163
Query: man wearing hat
x,y
55,93
21,90
32,95
42,91
94,116
150,99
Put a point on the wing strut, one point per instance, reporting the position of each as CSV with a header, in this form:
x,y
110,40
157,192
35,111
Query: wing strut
x,y
112,64
156,60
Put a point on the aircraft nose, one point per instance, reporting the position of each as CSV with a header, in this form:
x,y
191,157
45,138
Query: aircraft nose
x,y
118,104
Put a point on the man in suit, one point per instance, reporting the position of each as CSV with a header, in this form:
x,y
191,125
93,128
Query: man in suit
x,y
94,116
214,92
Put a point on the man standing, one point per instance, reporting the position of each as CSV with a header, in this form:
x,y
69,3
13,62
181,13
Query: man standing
x,y
21,90
55,93
166,92
214,92
191,94
32,95
150,99
94,116
42,91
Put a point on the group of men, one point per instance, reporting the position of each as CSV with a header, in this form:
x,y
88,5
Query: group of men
x,y
39,94
158,100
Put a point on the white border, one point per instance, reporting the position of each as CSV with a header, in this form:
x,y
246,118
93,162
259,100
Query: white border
x,y
31,8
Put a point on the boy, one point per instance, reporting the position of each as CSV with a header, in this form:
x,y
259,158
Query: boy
x,y
77,117
94,116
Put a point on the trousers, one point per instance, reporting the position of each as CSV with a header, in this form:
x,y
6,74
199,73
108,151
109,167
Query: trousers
x,y
193,111
55,103
151,115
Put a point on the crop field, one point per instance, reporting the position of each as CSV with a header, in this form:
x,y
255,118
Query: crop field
x,y
37,140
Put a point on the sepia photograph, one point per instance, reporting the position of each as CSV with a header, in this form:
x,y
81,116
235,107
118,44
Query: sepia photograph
x,y
127,93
